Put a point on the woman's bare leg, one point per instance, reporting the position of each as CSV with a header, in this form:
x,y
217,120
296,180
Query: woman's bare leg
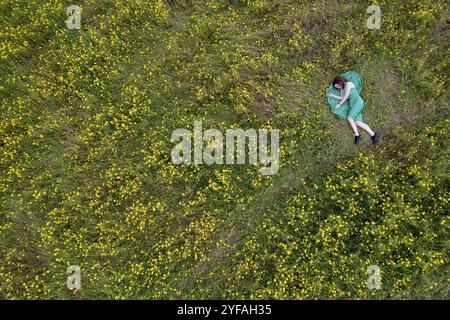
x,y
353,125
365,127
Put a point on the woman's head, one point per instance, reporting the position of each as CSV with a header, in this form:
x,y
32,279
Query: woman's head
x,y
339,82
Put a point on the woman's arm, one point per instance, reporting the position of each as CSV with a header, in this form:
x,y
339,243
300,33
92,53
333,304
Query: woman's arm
x,y
334,96
346,95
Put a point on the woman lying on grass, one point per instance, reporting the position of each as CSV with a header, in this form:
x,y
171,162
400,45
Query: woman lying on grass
x,y
349,104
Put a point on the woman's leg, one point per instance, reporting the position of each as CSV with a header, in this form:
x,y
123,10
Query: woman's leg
x,y
353,125
365,127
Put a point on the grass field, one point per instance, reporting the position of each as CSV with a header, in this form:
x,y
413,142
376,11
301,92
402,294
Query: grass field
x,y
86,176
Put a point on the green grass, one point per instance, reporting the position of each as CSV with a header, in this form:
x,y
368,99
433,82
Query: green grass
x,y
86,176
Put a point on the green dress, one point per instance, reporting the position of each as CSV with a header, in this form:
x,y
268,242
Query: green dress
x,y
354,105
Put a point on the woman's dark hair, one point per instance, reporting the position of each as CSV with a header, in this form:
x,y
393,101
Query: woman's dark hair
x,y
339,80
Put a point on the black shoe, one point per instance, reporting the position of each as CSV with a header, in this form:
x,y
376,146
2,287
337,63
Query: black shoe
x,y
375,138
358,139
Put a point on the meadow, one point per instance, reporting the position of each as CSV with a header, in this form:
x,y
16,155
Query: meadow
x,y
86,176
